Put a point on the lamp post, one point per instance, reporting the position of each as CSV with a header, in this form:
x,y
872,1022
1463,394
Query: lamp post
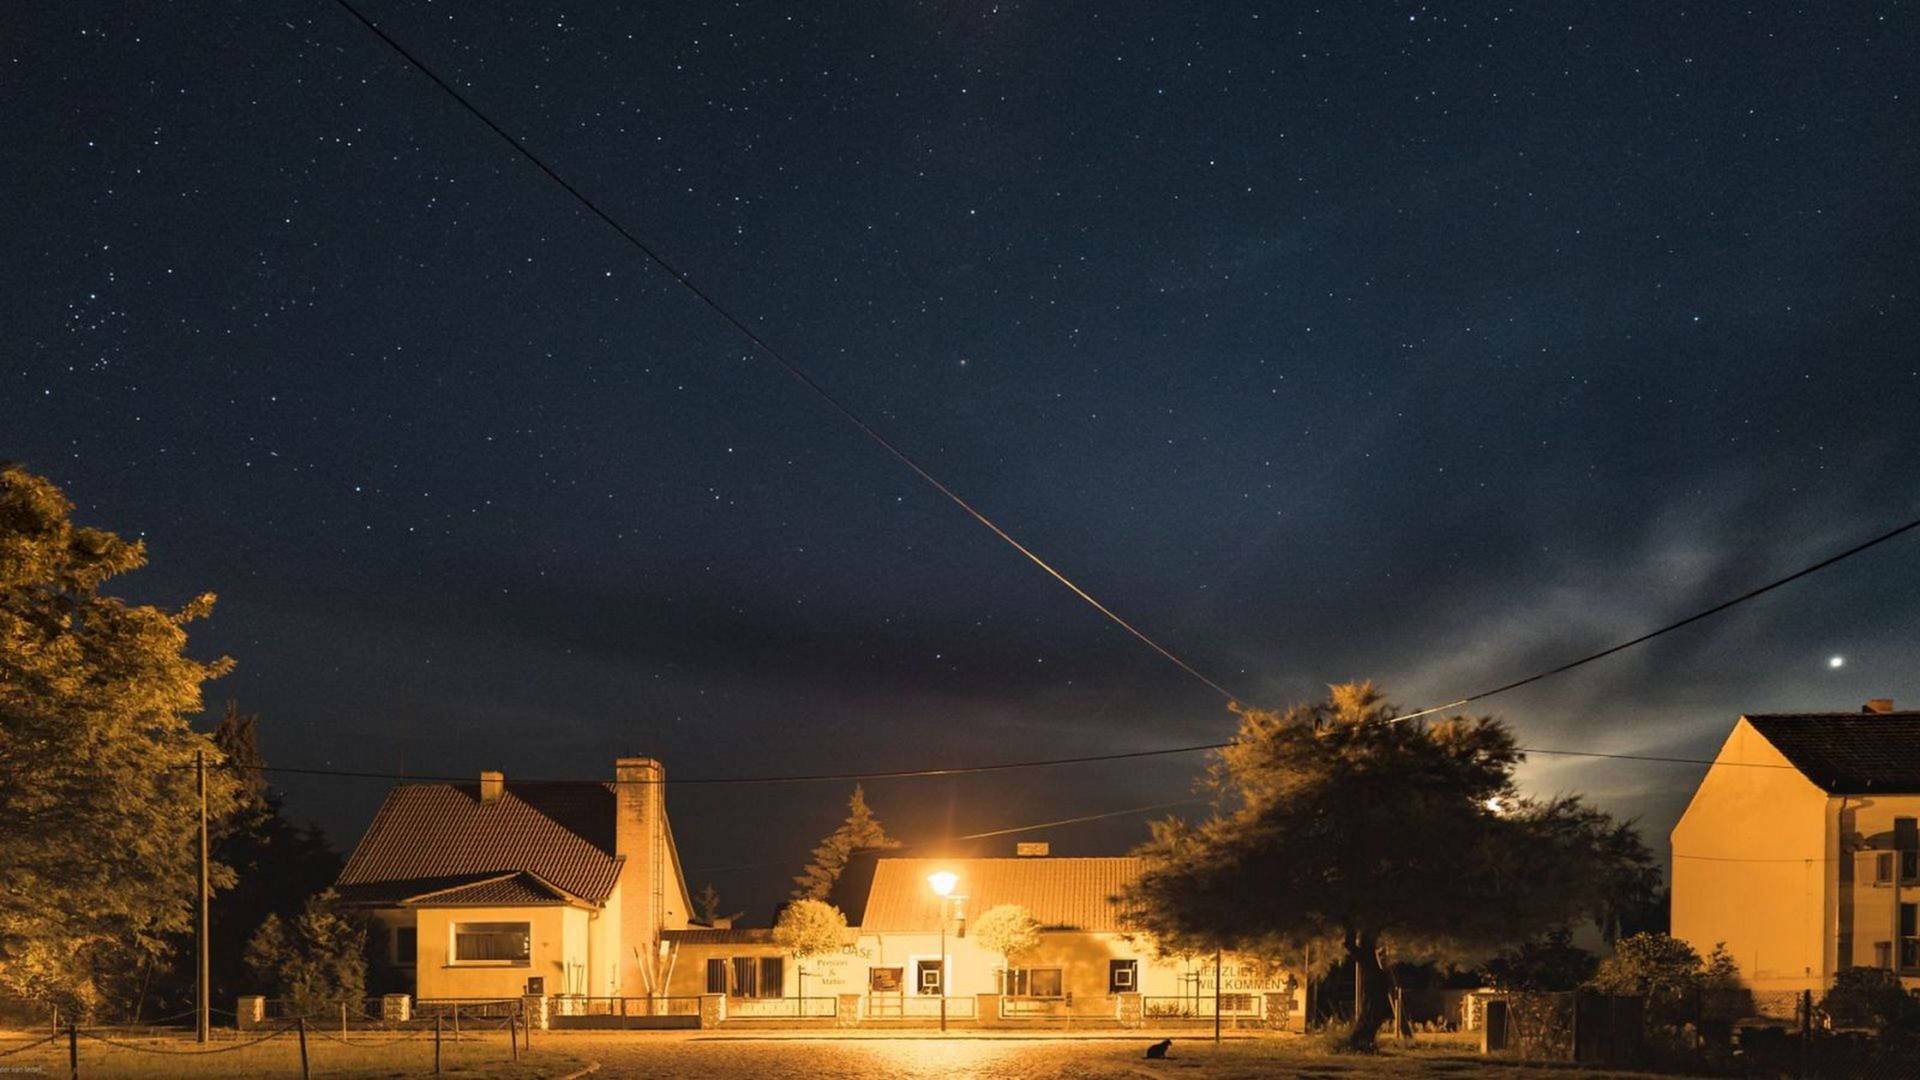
x,y
942,882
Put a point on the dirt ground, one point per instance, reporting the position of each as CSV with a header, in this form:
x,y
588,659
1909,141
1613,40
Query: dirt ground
x,y
758,1056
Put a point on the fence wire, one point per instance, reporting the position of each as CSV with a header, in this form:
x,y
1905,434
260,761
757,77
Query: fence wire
x,y
29,1046
138,1049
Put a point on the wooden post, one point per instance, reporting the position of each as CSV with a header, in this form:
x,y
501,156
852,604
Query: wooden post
x,y
456,1021
305,1073
513,1037
343,1019
436,1046
202,982
1217,979
73,1050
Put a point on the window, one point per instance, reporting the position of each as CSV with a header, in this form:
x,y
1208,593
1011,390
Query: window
x,y
1909,943
1123,976
1909,866
492,943
928,976
406,945
716,975
1883,868
773,976
885,980
1883,954
746,977
1033,982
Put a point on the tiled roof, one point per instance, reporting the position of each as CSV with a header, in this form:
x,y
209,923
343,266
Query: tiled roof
x,y
701,935
429,836
1852,753
500,889
1065,893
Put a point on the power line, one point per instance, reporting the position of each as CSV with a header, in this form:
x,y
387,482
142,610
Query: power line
x,y
1695,617
1128,812
774,354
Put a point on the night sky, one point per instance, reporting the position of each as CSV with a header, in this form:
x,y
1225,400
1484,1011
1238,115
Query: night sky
x,y
1433,344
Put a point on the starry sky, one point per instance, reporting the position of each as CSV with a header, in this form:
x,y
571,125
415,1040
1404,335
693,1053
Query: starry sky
x,y
1429,343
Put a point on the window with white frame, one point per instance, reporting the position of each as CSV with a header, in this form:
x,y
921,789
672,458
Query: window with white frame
x,y
1034,982
492,943
1123,976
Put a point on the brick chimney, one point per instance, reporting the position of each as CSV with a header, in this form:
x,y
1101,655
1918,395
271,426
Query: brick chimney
x,y
1878,705
492,785
639,837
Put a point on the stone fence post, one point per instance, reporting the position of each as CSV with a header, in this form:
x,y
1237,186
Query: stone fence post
x,y
1128,1010
536,1006
396,1008
847,1010
250,1012
713,1010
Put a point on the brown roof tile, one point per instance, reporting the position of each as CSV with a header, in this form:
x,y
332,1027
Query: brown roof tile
x,y
1064,893
1851,753
429,836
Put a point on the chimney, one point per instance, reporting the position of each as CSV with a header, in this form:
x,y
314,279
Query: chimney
x,y
640,839
1878,705
1032,849
492,785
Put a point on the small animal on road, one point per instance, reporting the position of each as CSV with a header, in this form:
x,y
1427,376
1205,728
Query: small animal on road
x,y
1159,1049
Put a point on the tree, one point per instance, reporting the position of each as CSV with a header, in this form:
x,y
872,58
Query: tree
x,y
860,831
1009,930
709,904
314,962
1336,824
1553,962
1872,998
810,928
98,817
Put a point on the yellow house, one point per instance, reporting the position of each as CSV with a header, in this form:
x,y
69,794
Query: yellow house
x,y
908,948
497,890
1799,850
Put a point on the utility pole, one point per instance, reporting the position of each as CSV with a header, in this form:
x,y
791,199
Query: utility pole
x,y
1217,973
202,983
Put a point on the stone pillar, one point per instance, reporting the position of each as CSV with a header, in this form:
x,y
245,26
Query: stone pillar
x,y
1279,1008
250,1012
536,1010
987,1009
713,1010
396,1008
847,1014
1128,1010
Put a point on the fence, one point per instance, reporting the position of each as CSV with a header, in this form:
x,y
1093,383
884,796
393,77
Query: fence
x,y
621,1013
915,1007
787,1008
1060,1010
1201,1007
78,1051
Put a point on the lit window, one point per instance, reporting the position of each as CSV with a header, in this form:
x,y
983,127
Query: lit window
x,y
492,942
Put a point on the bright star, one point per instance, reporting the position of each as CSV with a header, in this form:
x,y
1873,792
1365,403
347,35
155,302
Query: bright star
x,y
1836,661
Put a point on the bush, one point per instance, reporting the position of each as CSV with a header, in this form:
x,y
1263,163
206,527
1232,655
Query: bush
x,y
315,962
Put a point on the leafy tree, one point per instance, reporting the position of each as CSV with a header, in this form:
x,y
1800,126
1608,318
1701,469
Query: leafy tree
x,y
1553,962
1873,998
860,831
98,818
1338,825
314,961
1656,967
810,928
1006,929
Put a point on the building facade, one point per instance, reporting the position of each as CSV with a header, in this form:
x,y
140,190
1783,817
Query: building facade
x,y
1799,850
908,948
497,889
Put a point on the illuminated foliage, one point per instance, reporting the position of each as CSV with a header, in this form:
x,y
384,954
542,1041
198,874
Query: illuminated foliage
x,y
98,812
808,928
1338,826
1006,929
861,831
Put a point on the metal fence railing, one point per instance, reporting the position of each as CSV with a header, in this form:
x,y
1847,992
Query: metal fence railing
x,y
918,1007
1202,1007
783,1008
1060,1009
627,1007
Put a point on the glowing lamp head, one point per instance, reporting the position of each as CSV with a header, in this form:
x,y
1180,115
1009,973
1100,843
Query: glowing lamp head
x,y
943,881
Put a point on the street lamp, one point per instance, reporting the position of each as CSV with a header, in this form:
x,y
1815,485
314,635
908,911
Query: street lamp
x,y
942,882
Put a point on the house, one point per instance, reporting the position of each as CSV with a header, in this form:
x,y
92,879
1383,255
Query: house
x,y
1086,964
496,889
1799,849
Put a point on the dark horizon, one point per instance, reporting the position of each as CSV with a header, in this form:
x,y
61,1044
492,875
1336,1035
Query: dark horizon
x,y
1373,343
